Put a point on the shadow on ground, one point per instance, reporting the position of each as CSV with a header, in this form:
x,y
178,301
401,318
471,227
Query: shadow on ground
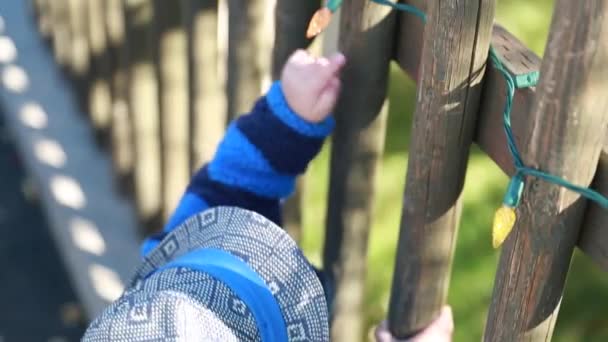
x,y
37,301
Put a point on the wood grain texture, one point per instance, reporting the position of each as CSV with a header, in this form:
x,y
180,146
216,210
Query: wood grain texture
x,y
444,124
207,97
366,33
291,20
563,135
143,106
121,122
491,139
171,62
246,43
489,134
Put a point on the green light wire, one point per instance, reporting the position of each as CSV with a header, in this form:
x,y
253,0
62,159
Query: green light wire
x,y
513,196
403,7
333,6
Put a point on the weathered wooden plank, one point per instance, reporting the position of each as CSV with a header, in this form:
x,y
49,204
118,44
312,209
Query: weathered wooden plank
x,y
563,135
246,44
291,20
121,140
143,106
207,97
99,103
444,124
171,62
490,136
366,33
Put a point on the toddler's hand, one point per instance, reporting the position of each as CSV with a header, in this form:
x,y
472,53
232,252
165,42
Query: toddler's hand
x,y
439,331
311,85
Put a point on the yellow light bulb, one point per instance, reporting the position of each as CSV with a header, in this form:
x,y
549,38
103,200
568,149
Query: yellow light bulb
x,y
504,220
319,22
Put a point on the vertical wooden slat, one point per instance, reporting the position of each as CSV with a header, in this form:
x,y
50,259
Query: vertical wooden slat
x,y
411,34
99,88
36,7
59,12
594,238
246,37
291,21
79,49
563,135
452,66
43,10
143,106
366,38
171,61
122,143
207,97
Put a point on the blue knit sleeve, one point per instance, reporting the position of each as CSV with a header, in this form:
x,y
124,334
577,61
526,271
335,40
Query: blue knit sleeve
x,y
256,163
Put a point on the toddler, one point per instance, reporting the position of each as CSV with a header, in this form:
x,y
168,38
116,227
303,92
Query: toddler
x,y
221,269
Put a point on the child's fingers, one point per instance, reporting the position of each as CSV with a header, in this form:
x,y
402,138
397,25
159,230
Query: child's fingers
x,y
337,62
301,57
334,84
446,319
328,97
331,66
382,334
439,331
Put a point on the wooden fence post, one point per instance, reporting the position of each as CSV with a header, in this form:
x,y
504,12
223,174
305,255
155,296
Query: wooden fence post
x,y
121,122
452,65
594,240
207,96
291,21
143,106
366,38
246,36
79,49
563,135
59,13
100,76
171,61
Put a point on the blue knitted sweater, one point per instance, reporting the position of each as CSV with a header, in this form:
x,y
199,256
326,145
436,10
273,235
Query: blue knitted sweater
x,y
256,164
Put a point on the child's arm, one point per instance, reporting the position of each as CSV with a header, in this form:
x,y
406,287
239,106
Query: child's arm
x,y
263,152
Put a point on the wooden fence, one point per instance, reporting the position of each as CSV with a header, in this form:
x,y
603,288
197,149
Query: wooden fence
x,y
148,73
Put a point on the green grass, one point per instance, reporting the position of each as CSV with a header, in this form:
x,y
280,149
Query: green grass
x,y
584,313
